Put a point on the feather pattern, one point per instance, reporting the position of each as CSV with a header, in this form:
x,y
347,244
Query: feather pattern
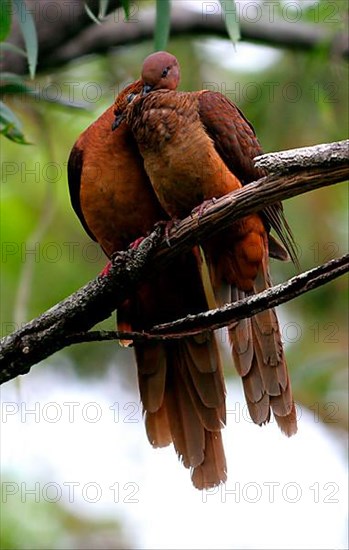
x,y
197,146
184,378
264,371
181,383
235,140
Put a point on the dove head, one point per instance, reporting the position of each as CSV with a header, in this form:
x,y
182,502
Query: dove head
x,y
160,72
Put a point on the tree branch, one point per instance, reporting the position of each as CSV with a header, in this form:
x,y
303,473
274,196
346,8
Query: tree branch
x,y
56,23
272,297
72,34
331,154
224,316
325,165
184,20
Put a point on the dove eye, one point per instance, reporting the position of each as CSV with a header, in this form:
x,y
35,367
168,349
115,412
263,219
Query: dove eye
x,y
165,72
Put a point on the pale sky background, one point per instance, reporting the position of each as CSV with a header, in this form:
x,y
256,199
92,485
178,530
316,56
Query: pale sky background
x,y
157,503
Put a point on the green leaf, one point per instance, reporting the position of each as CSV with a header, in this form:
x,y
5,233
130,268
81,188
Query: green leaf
x,y
12,133
126,7
5,18
7,47
10,126
27,25
103,8
231,19
11,77
15,87
162,25
11,83
6,115
91,14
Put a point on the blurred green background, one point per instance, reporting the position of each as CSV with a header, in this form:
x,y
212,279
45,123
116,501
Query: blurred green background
x,y
293,99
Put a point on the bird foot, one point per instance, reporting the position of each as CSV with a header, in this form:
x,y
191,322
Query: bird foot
x,y
114,257
199,210
168,225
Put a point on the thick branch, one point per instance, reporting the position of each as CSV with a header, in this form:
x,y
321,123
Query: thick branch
x,y
332,154
73,34
186,21
56,24
303,170
97,300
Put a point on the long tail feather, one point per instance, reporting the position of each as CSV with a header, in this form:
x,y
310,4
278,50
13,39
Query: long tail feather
x,y
240,257
181,381
264,375
214,466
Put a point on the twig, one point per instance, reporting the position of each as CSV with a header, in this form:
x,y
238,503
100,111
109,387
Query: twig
x,y
224,316
272,297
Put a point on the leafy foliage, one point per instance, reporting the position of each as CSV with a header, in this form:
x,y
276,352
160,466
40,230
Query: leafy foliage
x,y
27,25
91,14
231,19
5,19
126,7
10,125
103,8
162,24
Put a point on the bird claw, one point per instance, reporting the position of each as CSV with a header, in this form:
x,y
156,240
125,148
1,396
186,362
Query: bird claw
x,y
199,210
168,225
120,255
